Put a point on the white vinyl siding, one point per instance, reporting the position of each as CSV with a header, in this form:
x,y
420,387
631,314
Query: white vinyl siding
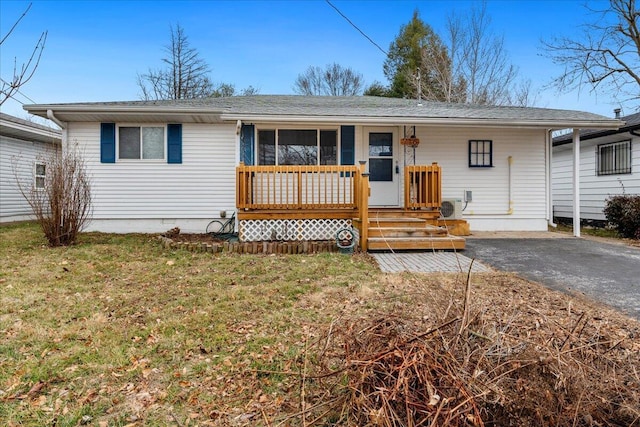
x,y
198,188
594,189
168,195
489,210
24,155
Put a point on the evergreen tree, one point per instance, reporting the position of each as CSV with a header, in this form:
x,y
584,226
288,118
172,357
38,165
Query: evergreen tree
x,y
405,60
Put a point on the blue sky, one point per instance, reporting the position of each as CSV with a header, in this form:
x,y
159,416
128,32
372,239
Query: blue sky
x,y
95,49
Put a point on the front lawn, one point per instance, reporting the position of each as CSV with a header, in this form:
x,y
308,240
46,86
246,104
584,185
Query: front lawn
x,y
118,330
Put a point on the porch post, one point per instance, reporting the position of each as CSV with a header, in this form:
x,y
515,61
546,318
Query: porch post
x,y
576,182
364,206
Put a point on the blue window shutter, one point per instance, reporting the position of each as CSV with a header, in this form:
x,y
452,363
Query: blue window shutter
x,y
247,144
347,145
107,142
174,143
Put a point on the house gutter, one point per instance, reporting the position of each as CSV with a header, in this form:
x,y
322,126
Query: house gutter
x,y
432,121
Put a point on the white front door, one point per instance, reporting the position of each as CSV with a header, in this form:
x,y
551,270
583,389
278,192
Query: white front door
x,y
384,172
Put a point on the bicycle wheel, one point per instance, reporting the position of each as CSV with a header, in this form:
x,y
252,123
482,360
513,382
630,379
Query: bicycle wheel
x,y
216,227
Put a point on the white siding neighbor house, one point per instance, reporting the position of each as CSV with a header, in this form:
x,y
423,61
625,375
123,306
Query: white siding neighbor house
x,y
23,148
275,161
609,165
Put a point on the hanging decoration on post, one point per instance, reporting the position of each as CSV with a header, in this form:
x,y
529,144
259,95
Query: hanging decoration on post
x,y
411,141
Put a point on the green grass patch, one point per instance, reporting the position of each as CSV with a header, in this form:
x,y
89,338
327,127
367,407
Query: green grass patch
x,y
117,329
589,231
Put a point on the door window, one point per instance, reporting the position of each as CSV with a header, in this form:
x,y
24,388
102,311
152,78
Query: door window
x,y
380,156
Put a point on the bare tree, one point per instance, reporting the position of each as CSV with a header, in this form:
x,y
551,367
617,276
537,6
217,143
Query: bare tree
x,y
185,76
480,58
61,201
605,54
24,72
332,80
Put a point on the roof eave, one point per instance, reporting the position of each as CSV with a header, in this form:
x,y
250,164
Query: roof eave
x,y
606,132
67,112
432,121
23,131
73,112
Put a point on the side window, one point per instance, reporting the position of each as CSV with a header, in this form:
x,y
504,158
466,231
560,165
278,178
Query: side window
x,y
480,153
141,142
614,158
40,171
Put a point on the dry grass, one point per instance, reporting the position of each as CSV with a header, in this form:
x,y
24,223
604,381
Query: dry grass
x,y
517,355
119,331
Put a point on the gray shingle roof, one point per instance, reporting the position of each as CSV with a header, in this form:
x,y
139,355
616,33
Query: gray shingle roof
x,y
284,106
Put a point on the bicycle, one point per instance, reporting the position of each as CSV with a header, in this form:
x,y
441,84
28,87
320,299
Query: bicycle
x,y
222,228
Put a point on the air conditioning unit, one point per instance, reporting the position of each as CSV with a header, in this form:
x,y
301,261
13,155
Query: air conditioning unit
x,y
451,209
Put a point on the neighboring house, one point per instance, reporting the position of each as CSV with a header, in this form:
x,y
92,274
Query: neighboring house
x,y
609,165
23,148
289,165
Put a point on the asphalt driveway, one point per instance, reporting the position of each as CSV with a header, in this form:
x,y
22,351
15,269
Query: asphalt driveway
x,y
605,272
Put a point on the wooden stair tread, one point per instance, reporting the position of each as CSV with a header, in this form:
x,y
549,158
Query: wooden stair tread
x,y
409,243
397,219
423,232
409,238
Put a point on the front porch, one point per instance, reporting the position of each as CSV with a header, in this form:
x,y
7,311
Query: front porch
x,y
314,202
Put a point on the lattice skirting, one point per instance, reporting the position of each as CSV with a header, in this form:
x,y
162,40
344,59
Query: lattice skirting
x,y
290,229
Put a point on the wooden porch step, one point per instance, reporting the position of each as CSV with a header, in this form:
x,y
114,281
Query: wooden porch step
x,y
416,243
424,231
395,213
409,233
397,222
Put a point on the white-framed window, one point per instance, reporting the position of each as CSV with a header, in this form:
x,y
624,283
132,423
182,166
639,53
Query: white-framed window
x,y
480,153
613,158
297,147
39,175
141,142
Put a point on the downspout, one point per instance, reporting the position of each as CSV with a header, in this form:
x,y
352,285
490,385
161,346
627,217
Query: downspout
x,y
510,190
510,211
55,120
549,165
62,125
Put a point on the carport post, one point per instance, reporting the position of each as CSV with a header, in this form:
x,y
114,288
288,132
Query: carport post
x,y
576,182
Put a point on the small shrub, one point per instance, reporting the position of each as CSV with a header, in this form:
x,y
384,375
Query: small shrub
x,y
623,213
62,206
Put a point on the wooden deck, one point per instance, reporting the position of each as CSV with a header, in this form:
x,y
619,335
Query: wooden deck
x,y
273,193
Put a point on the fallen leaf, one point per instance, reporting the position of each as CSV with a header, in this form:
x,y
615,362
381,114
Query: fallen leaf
x,y
35,389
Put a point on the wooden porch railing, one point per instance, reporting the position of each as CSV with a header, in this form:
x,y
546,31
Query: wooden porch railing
x,y
336,190
298,187
422,186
